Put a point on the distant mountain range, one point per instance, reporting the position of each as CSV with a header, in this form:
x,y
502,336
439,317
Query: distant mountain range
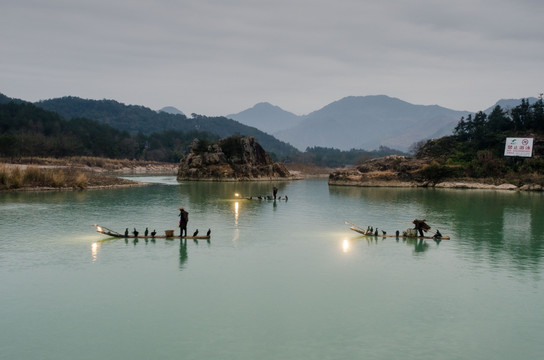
x,y
359,122
267,117
135,119
354,122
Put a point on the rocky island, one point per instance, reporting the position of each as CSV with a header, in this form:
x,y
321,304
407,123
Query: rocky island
x,y
236,158
403,171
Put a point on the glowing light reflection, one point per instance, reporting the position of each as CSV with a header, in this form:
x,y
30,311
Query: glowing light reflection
x,y
94,251
236,212
346,246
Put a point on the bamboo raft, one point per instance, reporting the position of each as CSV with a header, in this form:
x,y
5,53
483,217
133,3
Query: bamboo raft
x,y
169,234
267,198
401,235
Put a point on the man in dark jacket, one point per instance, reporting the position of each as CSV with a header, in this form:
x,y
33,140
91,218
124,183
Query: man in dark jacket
x,y
183,220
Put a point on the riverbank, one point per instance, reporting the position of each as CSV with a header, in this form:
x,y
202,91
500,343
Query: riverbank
x,y
19,177
400,171
81,173
306,171
75,173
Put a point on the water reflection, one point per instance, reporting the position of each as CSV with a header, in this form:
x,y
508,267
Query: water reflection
x,y
236,212
94,251
226,190
419,245
182,254
346,246
504,226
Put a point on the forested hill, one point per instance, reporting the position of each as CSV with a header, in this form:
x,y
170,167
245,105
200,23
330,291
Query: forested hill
x,y
27,130
476,149
135,119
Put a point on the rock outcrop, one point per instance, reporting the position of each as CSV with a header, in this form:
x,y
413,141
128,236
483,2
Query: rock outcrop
x,y
392,171
236,158
402,171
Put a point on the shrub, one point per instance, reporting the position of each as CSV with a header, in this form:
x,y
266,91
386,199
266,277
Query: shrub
x,y
486,165
4,175
33,175
436,172
81,181
16,178
58,179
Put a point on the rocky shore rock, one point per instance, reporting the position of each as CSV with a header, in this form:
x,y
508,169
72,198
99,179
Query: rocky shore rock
x,y
402,171
236,158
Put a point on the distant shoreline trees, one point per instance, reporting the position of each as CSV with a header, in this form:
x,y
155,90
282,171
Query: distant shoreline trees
x,y
27,130
476,148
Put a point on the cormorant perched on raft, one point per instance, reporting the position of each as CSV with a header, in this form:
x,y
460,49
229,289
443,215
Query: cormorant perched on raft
x,y
437,234
384,233
153,233
376,232
397,233
146,232
135,233
126,232
209,232
195,233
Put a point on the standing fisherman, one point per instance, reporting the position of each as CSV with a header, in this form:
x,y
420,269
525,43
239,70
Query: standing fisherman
x,y
183,220
275,192
420,226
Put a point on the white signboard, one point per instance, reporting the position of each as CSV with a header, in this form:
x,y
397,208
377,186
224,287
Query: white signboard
x,y
518,147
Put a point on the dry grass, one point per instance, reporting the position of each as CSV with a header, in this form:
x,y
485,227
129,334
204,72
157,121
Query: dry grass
x,y
308,169
13,177
86,161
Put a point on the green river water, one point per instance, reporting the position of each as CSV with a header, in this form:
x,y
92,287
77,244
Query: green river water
x,y
277,280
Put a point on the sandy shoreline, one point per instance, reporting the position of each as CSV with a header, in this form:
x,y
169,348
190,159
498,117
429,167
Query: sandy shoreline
x,y
469,185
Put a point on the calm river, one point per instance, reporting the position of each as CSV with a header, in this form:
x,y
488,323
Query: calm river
x,y
284,280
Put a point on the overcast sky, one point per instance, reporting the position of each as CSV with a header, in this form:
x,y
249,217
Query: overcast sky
x,y
217,57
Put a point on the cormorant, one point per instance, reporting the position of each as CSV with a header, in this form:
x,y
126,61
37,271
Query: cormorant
x,y
209,232
153,233
376,232
438,234
135,233
126,232
397,233
195,233
146,232
384,233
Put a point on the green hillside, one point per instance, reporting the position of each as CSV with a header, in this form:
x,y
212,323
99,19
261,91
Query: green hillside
x,y
476,149
28,130
135,119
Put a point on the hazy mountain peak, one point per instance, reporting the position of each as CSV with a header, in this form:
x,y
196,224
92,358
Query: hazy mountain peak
x,y
171,110
366,122
267,117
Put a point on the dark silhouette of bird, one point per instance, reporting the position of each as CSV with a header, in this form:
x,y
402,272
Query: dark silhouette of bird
x,y
135,232
437,234
195,233
209,232
376,232
126,232
397,233
371,229
146,232
384,233
153,233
